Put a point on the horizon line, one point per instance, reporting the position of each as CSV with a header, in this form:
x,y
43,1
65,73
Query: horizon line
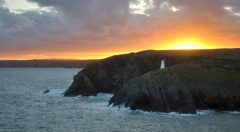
x,y
76,59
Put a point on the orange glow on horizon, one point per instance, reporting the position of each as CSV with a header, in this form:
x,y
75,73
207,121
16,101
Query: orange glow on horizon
x,y
154,43
133,27
66,56
188,44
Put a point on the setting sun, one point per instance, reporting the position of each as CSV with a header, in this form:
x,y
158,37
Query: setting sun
x,y
187,44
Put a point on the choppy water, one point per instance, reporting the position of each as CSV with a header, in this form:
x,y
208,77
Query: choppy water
x,y
24,107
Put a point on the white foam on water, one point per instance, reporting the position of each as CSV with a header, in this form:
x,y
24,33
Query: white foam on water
x,y
100,102
102,96
205,112
178,114
56,91
170,114
211,112
234,112
127,110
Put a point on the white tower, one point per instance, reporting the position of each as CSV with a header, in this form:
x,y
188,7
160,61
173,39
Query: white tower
x,y
162,65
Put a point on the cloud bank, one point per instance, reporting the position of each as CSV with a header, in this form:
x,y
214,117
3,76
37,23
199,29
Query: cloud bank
x,y
115,26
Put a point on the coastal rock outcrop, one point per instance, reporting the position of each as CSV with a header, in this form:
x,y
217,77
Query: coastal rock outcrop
x,y
46,91
108,75
184,88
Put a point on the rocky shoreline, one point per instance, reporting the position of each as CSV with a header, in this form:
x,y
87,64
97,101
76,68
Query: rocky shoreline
x,y
184,88
193,80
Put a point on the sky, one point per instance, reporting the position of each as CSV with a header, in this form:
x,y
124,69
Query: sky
x,y
95,29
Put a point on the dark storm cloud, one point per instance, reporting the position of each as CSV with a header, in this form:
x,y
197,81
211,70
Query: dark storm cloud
x,y
91,21
97,15
102,12
11,22
30,29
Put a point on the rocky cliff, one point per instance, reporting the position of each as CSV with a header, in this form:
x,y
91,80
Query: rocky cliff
x,y
108,75
184,88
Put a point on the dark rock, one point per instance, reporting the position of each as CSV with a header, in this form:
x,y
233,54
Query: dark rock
x,y
108,75
46,91
184,88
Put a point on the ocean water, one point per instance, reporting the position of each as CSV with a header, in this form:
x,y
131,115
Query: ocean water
x,y
24,108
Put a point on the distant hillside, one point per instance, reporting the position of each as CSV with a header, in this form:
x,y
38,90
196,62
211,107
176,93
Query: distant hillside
x,y
46,63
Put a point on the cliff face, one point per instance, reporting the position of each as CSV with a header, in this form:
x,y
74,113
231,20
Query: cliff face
x,y
184,88
108,75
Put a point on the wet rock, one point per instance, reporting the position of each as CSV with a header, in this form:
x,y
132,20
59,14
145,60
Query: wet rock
x,y
46,91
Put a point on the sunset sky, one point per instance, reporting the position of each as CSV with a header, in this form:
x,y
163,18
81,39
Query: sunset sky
x,y
94,29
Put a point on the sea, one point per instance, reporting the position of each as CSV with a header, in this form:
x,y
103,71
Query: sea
x,y
25,108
